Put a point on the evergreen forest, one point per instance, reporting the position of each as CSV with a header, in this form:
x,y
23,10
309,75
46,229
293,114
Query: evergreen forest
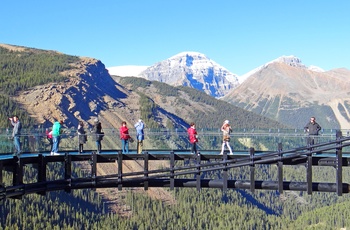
x,y
207,209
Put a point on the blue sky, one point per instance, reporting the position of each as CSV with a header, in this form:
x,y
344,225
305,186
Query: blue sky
x,y
239,35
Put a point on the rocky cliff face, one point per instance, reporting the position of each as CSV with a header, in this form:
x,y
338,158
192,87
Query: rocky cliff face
x,y
87,93
194,70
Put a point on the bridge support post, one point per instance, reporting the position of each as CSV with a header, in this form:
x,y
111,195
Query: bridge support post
x,y
339,164
252,170
224,173
145,172
17,173
1,167
120,170
68,171
309,172
93,168
198,174
172,165
41,171
2,194
280,169
2,186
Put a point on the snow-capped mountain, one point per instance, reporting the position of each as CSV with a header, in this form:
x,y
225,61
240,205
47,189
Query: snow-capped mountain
x,y
194,70
289,60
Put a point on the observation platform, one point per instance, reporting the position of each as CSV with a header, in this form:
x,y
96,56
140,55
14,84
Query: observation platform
x,y
184,169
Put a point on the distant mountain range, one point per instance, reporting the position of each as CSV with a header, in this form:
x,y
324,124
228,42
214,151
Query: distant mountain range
x,y
283,89
86,91
190,69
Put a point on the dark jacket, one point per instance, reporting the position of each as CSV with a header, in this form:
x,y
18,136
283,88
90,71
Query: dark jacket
x,y
97,131
312,128
81,135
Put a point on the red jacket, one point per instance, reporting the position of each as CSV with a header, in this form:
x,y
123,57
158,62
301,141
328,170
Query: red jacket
x,y
49,134
192,134
124,133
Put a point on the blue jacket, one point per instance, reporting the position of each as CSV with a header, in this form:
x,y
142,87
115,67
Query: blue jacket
x,y
139,130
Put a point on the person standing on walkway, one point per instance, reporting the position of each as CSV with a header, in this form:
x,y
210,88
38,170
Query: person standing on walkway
x,y
140,136
312,128
81,136
226,131
192,135
16,133
97,134
124,136
56,136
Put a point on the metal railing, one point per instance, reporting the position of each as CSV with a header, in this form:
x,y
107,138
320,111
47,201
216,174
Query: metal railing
x,y
35,140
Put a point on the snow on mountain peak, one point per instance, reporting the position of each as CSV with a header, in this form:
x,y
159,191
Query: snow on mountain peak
x,y
290,60
188,53
316,69
195,70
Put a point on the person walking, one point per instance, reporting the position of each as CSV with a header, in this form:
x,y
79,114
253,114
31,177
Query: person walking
x,y
56,136
139,126
124,136
192,135
81,136
16,133
312,128
97,134
226,130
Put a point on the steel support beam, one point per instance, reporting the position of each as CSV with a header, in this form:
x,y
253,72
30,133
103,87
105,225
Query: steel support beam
x,y
280,168
68,170
172,165
198,174
120,170
252,170
41,171
145,169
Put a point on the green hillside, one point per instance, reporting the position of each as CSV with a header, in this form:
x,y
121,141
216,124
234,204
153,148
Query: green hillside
x,y
25,68
197,106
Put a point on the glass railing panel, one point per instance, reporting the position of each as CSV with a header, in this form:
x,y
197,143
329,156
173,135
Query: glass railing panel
x,y
34,140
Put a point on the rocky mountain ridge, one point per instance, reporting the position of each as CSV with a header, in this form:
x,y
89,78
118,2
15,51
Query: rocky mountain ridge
x,y
194,70
290,93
